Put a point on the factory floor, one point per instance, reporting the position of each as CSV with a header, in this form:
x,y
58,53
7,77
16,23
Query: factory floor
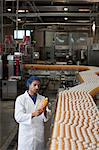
x,y
9,128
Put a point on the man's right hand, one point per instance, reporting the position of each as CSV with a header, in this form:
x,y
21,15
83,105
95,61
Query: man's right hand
x,y
37,113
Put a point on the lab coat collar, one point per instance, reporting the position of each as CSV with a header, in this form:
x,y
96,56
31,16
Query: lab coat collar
x,y
38,99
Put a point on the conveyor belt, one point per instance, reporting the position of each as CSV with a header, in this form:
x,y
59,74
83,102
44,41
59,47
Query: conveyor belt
x,y
76,122
76,119
55,67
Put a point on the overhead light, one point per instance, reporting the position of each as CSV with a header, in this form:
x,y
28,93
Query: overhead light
x,y
82,21
84,9
9,9
22,10
93,26
9,0
65,18
19,19
65,9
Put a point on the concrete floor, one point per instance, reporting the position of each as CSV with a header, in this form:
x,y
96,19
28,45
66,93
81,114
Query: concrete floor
x,y
8,126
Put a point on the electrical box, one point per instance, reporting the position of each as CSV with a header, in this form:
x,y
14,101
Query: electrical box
x,y
9,89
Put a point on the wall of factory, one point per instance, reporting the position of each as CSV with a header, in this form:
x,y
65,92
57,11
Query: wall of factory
x,y
97,29
39,37
49,37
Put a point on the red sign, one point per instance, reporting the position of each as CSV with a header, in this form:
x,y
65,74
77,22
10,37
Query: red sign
x,y
26,40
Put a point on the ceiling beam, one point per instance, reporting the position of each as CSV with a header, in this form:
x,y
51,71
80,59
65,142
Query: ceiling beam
x,y
66,1
46,24
34,8
52,14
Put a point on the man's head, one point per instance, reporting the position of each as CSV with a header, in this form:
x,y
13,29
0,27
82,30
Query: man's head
x,y
33,84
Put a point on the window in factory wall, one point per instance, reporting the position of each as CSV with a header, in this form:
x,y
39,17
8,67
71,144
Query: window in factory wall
x,y
19,34
28,33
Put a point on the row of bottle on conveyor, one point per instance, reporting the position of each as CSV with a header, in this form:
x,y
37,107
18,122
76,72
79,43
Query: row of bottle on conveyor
x,y
90,81
76,122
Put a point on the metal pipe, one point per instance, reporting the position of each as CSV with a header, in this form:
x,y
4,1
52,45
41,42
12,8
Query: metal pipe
x,y
9,25
53,14
1,39
17,7
38,24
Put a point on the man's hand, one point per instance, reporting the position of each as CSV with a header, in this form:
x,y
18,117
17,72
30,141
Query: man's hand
x,y
37,113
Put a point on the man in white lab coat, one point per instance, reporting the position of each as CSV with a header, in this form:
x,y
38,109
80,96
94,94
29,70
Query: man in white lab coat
x,y
30,118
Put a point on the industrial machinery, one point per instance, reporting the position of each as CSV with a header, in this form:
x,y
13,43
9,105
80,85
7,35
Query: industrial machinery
x,y
93,54
61,46
18,64
10,59
67,48
12,74
4,66
14,64
9,44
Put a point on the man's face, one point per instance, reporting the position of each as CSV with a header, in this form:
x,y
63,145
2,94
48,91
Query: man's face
x,y
34,87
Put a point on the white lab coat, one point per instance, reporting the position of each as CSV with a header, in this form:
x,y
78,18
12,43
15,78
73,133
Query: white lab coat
x,y
31,130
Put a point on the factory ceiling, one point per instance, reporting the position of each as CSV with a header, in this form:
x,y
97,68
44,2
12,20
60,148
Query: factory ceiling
x,y
66,13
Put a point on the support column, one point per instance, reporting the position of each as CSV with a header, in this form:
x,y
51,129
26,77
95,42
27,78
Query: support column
x,y
1,24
